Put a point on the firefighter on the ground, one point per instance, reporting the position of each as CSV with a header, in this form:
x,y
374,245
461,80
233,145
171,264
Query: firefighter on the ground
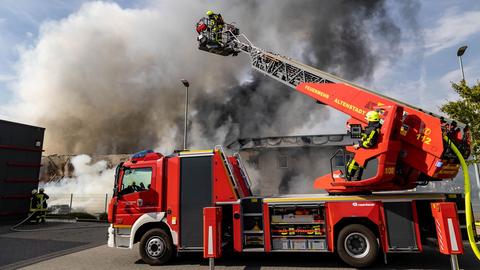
x,y
34,209
33,201
215,24
43,197
38,205
369,139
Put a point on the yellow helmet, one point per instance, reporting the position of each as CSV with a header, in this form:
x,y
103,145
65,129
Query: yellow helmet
x,y
372,116
209,13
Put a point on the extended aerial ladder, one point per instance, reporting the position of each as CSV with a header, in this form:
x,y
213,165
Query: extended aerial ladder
x,y
412,149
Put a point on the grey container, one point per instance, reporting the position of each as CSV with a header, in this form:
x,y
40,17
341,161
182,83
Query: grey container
x,y
281,244
299,244
317,244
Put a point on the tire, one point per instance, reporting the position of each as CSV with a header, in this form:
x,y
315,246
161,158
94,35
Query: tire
x,y
357,245
156,247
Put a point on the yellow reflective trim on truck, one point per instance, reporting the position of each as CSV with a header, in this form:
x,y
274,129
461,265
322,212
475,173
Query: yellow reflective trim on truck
x,y
195,152
121,226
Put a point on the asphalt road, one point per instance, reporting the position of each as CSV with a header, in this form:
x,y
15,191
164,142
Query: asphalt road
x,y
49,240
103,257
61,247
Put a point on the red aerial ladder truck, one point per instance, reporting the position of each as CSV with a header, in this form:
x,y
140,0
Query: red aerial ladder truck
x,y
201,201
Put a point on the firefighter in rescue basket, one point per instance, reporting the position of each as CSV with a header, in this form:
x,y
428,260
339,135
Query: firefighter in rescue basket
x,y
215,24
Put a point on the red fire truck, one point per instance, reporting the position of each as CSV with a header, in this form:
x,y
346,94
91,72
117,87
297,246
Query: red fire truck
x,y
202,201
159,202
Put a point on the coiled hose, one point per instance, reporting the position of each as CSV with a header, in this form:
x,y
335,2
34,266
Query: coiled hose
x,y
468,205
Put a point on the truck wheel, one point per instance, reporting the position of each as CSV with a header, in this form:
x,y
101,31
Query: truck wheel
x,y
156,247
357,245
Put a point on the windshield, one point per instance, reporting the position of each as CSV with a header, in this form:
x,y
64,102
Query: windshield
x,y
136,179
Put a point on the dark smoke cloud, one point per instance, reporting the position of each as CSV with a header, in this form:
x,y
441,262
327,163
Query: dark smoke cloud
x,y
107,79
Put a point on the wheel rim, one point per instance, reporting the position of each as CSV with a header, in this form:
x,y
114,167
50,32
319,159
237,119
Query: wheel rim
x,y
357,245
155,247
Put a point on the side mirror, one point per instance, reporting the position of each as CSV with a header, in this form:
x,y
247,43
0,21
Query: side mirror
x,y
355,131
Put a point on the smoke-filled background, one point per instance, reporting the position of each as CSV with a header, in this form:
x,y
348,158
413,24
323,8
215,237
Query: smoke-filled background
x,y
107,79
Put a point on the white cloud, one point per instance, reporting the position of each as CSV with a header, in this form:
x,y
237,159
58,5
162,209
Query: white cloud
x,y
6,77
451,29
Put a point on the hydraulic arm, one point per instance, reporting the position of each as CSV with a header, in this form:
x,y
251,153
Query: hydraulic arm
x,y
410,150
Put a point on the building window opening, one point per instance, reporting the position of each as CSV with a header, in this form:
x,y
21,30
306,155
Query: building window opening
x,y
283,162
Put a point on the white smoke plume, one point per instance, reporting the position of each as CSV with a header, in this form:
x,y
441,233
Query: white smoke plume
x,y
89,185
87,178
106,79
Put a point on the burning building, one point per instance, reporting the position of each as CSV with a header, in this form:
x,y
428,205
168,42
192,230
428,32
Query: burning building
x,y
285,165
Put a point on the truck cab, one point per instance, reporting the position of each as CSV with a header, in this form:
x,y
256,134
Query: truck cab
x,y
158,200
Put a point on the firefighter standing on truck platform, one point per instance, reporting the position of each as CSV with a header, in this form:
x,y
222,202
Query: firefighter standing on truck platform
x,y
215,23
369,139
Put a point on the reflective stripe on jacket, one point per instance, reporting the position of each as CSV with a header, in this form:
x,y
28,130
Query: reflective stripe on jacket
x,y
370,136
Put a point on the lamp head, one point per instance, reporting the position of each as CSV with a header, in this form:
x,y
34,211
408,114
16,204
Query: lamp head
x,y
185,83
461,50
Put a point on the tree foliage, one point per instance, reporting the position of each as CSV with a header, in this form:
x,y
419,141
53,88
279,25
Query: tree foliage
x,y
467,111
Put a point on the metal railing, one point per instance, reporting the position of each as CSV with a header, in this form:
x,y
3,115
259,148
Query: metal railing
x,y
94,204
339,151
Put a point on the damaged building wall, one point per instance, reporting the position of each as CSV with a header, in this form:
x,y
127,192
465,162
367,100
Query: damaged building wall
x,y
288,165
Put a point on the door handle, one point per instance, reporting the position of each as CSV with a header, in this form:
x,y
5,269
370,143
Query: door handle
x,y
140,202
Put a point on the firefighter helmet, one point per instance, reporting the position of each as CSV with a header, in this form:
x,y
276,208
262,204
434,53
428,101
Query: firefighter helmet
x,y
372,116
209,13
41,190
34,191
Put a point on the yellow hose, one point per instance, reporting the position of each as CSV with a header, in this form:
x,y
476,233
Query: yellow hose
x,y
468,205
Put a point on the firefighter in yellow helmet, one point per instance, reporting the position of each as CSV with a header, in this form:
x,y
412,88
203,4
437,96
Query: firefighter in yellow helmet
x,y
42,199
215,24
369,139
34,206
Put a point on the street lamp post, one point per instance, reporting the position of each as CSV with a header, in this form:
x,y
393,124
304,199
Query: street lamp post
x,y
460,53
186,84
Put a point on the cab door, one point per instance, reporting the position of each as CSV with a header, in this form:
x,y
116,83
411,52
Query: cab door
x,y
136,195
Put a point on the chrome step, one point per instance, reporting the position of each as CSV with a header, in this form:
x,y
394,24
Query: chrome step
x,y
253,250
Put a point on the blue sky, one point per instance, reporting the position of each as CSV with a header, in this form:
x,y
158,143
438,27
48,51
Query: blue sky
x,y
420,75
20,21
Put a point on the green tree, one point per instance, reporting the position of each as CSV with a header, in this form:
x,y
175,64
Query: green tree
x,y
467,110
